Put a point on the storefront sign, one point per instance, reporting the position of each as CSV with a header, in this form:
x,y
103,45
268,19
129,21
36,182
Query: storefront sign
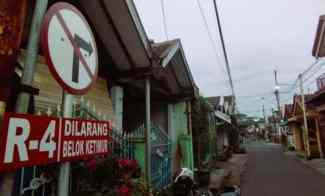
x,y
28,140
70,48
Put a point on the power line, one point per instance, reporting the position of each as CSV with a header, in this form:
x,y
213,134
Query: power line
x,y
315,72
163,10
294,86
210,35
256,95
243,78
224,48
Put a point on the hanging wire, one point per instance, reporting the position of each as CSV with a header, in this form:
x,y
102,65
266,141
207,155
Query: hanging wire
x,y
212,41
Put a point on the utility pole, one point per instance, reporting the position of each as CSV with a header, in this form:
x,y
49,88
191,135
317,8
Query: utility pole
x,y
263,109
274,120
306,135
225,55
277,96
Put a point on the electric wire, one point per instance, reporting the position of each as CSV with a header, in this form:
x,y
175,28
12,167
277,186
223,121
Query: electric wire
x,y
212,41
295,83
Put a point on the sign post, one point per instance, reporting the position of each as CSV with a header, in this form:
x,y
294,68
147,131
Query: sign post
x,y
70,49
64,173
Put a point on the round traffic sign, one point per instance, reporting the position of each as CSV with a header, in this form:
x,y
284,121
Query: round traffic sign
x,y
70,48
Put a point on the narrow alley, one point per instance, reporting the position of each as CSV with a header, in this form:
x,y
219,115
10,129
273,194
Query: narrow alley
x,y
270,172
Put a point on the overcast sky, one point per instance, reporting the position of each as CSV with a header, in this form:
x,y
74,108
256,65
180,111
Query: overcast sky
x,y
260,36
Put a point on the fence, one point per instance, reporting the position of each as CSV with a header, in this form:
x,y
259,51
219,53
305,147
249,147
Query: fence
x,y
120,145
161,174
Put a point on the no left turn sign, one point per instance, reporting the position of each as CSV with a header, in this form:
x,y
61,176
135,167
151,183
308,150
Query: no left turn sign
x,y
70,48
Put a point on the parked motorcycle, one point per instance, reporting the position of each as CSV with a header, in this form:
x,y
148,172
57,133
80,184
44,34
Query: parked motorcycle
x,y
184,184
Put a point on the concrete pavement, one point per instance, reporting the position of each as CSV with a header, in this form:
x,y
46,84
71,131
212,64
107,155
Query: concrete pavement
x,y
271,173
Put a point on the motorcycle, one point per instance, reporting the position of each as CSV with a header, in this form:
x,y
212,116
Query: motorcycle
x,y
184,184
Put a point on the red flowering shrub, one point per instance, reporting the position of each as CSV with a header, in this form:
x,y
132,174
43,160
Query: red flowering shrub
x,y
115,175
133,164
92,164
123,163
125,191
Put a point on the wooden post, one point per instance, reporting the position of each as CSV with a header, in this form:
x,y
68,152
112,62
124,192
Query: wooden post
x,y
306,135
319,142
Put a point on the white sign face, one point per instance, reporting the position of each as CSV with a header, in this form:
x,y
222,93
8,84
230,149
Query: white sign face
x,y
70,48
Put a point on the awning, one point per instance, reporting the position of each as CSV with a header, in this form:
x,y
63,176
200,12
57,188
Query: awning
x,y
223,116
119,31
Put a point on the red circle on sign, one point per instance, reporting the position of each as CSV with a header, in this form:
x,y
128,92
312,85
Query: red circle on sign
x,y
53,10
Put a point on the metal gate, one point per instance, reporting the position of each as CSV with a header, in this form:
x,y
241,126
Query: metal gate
x,y
161,174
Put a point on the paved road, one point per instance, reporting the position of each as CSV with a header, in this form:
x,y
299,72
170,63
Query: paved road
x,y
272,173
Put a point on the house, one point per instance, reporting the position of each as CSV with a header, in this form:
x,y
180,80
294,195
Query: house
x,y
151,87
286,132
146,88
223,108
317,101
173,89
305,140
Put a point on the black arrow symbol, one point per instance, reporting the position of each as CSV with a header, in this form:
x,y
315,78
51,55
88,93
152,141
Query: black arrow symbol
x,y
81,43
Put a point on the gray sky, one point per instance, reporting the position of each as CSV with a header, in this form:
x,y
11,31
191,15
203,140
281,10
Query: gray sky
x,y
260,36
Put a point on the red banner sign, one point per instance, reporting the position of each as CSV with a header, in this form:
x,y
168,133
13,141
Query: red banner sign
x,y
28,140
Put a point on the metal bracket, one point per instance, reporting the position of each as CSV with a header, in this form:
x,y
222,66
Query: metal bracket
x,y
36,183
28,89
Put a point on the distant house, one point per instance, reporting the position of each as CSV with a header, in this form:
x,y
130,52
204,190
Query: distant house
x,y
223,108
286,132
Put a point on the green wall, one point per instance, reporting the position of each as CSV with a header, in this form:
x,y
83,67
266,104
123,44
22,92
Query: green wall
x,y
182,134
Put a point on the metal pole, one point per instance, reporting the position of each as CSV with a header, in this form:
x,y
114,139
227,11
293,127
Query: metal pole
x,y
274,120
277,96
147,133
306,138
225,55
6,186
64,173
277,93
32,54
263,109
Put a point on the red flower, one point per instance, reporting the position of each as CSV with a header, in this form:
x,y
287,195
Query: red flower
x,y
133,164
92,164
123,163
124,191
